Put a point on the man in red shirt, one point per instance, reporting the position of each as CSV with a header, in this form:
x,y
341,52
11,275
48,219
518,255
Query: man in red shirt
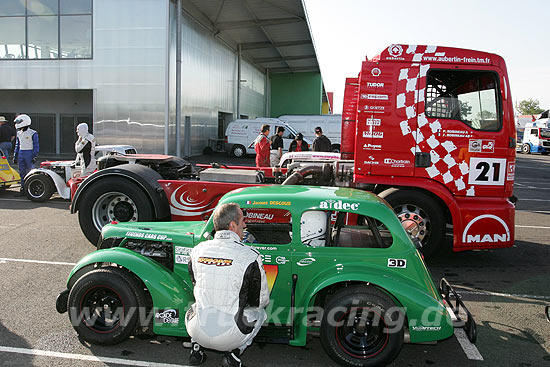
x,y
262,146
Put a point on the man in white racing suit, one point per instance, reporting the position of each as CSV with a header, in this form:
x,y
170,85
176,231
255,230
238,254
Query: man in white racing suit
x,y
230,291
85,150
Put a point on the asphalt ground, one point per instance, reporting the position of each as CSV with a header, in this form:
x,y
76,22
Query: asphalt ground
x,y
506,291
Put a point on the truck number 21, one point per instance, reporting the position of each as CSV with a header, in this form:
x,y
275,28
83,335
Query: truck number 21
x,y
487,171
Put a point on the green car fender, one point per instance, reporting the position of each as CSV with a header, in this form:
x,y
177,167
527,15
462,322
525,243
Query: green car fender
x,y
427,317
167,289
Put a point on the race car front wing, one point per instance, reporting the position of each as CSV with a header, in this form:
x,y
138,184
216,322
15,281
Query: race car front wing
x,y
461,316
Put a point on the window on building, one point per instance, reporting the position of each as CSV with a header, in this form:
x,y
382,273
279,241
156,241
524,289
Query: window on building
x,y
45,29
468,96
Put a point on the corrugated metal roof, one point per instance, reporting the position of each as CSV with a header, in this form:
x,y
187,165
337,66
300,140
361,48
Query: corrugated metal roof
x,y
273,35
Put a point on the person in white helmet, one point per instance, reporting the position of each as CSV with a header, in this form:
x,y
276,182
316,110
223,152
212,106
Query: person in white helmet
x,y
230,289
26,147
313,228
85,150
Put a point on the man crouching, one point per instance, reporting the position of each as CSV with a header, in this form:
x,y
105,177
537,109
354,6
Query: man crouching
x,y
230,291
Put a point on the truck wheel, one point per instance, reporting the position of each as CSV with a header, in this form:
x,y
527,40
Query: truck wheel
x,y
110,200
526,148
545,152
362,327
335,148
39,187
421,217
238,151
104,306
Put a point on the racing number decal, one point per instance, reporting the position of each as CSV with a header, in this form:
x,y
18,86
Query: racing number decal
x,y
487,171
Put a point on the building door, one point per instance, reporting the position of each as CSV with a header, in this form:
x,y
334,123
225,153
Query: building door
x,y
44,124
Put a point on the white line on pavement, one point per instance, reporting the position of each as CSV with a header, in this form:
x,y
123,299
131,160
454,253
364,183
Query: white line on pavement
x,y
520,199
84,357
28,201
539,227
5,259
534,211
460,290
469,349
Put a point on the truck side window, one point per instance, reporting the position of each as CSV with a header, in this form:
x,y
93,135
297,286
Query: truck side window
x,y
267,226
469,96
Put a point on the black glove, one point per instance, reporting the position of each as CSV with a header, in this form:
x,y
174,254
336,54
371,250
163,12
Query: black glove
x,y
34,159
14,160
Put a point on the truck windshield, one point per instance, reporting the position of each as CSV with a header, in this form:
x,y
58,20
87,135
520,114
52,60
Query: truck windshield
x,y
468,96
545,133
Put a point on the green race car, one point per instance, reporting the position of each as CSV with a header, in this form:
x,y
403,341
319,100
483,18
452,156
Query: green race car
x,y
338,264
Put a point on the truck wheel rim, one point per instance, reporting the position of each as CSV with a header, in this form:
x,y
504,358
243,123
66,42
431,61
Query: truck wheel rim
x,y
102,309
36,188
238,152
362,334
415,221
113,206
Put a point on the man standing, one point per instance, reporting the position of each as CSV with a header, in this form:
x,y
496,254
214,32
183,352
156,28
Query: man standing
x,y
26,146
277,146
261,146
230,289
85,150
298,144
7,136
321,142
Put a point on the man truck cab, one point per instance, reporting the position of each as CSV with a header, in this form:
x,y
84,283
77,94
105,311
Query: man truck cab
x,y
536,138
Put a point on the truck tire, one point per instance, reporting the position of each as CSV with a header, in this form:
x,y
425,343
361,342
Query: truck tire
x,y
39,187
545,152
238,151
526,148
362,327
421,216
335,148
105,304
112,199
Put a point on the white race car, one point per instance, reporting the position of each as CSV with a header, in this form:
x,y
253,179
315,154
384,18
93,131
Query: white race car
x,y
63,176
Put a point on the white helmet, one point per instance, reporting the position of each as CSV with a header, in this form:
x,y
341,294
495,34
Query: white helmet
x,y
82,129
22,121
313,228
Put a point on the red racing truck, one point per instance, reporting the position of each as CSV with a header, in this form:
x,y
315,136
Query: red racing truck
x,y
429,129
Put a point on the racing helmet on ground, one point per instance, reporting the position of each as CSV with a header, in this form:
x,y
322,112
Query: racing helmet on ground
x,y
22,121
313,228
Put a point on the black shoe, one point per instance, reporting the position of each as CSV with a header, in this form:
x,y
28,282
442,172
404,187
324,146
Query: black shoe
x,y
197,355
232,359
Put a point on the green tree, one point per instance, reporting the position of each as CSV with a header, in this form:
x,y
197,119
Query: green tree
x,y
465,109
529,107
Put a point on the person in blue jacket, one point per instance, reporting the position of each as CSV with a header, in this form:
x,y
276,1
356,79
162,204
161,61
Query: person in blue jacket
x,y
26,146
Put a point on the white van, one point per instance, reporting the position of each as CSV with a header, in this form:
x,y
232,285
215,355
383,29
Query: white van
x,y
240,134
306,124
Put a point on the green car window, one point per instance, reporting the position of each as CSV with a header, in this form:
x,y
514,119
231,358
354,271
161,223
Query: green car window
x,y
268,226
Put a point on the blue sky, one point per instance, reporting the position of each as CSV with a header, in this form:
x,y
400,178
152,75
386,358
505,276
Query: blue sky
x,y
345,31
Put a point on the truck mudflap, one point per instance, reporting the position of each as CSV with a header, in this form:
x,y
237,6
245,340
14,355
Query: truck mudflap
x,y
461,316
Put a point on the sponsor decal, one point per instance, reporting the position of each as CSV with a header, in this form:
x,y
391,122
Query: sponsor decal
x,y
373,134
306,261
266,248
215,261
170,316
281,260
487,171
376,72
338,205
378,108
148,236
4,167
396,162
457,59
265,258
182,259
381,97
271,272
511,173
261,216
374,122
397,263
486,228
372,147
426,328
481,146
395,50
375,85
371,160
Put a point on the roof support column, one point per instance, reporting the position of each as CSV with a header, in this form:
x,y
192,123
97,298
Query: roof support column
x,y
238,81
178,78
267,94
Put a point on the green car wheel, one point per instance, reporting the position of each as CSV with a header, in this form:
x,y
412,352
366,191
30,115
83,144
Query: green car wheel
x,y
362,327
105,305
